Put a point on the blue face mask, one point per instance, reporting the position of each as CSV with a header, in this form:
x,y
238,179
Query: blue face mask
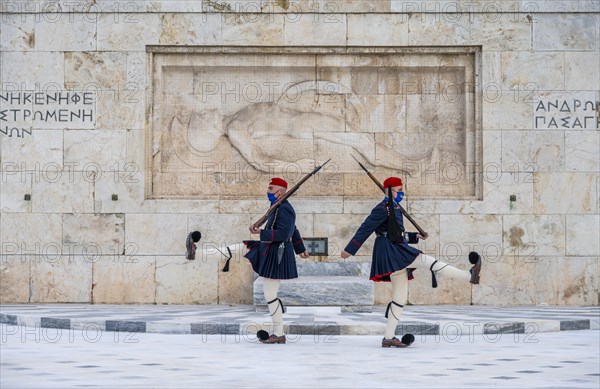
x,y
272,198
399,197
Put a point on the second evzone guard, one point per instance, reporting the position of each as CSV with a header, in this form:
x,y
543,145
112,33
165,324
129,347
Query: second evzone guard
x,y
394,260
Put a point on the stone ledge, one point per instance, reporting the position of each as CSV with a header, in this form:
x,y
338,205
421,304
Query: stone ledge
x,y
325,9
322,327
321,291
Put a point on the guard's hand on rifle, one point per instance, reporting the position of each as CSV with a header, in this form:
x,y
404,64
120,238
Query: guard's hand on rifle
x,y
304,255
254,230
345,254
423,236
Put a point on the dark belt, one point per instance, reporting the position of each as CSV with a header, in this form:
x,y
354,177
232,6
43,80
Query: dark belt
x,y
404,239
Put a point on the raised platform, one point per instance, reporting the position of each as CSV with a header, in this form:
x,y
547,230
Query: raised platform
x,y
332,284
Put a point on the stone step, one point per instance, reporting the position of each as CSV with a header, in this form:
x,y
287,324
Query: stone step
x,y
339,291
333,268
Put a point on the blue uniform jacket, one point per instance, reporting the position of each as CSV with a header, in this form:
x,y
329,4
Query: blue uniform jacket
x,y
388,257
280,237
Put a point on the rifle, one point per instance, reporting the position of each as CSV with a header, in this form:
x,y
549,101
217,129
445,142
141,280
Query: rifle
x,y
286,195
410,219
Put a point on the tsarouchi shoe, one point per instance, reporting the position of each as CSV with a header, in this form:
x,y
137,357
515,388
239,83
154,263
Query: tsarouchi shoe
x,y
394,342
274,339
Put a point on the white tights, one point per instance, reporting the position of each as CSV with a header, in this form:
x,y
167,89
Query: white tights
x,y
400,286
270,288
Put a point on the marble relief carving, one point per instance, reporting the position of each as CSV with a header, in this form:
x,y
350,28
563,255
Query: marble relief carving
x,y
223,119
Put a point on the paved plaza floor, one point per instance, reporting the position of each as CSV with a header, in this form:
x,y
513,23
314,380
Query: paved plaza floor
x,y
123,346
58,358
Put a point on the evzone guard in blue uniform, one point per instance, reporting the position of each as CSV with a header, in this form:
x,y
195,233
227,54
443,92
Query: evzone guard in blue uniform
x,y
395,261
273,257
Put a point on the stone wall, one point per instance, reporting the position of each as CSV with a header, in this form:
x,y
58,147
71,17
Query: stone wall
x,y
96,197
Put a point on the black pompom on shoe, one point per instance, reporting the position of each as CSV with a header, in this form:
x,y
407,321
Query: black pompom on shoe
x,y
475,260
408,339
196,236
262,335
190,244
473,257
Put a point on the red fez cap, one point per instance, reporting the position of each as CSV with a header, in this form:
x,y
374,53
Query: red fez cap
x,y
278,181
392,181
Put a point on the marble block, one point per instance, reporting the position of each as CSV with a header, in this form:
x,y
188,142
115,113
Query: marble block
x,y
61,279
127,31
66,32
500,32
121,109
13,191
100,70
14,279
163,234
180,29
521,68
89,147
235,286
314,290
31,233
577,76
574,32
182,281
242,29
567,281
125,279
17,32
506,281
502,111
377,29
27,69
583,232
329,269
528,236
42,153
93,234
533,151
307,31
576,194
71,192
430,29
582,150
461,234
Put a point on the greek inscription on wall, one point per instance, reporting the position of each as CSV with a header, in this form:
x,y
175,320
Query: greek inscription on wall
x,y
22,111
222,124
566,110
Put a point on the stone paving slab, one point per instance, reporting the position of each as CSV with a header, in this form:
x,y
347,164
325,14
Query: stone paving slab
x,y
244,319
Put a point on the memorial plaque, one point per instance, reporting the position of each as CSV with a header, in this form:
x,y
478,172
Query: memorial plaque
x,y
224,120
